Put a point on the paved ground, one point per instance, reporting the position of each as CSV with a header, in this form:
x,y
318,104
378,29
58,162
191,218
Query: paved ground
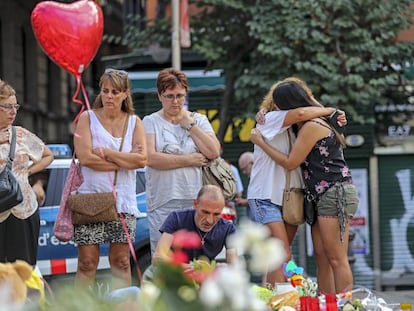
x,y
400,296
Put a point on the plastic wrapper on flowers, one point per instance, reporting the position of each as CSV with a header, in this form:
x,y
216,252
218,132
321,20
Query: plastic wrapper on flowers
x,y
362,298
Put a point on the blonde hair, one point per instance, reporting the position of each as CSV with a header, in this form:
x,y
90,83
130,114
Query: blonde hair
x,y
268,102
6,90
120,81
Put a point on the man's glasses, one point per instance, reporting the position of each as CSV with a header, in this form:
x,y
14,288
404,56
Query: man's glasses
x,y
121,73
172,97
10,107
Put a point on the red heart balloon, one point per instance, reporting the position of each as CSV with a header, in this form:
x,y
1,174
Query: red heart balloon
x,y
70,34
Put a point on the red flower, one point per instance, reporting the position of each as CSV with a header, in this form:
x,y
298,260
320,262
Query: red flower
x,y
179,257
197,276
186,239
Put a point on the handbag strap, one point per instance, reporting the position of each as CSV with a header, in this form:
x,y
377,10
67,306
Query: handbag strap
x,y
122,216
287,186
12,145
122,143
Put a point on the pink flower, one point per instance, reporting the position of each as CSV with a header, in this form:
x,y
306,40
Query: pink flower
x,y
197,276
345,171
321,186
186,239
323,151
179,257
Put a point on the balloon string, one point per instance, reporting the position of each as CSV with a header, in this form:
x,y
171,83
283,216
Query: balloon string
x,y
85,95
79,83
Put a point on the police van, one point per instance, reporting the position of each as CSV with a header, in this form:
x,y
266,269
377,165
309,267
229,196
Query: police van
x,y
56,257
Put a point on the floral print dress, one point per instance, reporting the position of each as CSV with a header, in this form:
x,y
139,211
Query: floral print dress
x,y
325,167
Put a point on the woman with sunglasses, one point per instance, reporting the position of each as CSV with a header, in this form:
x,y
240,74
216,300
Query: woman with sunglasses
x,y
20,225
179,144
98,138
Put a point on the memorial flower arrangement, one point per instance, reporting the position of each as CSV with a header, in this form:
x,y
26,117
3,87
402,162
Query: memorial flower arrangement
x,y
212,286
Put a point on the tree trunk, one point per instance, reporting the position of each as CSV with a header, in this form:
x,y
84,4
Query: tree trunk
x,y
225,104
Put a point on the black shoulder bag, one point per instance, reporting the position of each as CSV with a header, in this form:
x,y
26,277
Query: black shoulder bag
x,y
10,193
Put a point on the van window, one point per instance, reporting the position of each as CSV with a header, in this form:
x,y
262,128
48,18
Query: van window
x,y
56,182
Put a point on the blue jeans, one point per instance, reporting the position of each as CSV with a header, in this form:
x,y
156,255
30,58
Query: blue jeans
x,y
264,211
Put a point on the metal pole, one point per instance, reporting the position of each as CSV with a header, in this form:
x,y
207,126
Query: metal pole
x,y
176,48
375,221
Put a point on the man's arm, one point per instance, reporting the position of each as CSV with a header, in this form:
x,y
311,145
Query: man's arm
x,y
163,247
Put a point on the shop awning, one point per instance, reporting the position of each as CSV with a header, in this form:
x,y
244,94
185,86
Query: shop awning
x,y
198,80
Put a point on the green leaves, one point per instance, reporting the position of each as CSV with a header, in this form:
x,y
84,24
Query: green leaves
x,y
344,49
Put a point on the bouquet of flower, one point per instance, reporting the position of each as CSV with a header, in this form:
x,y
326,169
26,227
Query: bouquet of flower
x,y
208,286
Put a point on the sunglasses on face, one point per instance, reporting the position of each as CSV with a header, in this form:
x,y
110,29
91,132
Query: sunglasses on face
x,y
121,73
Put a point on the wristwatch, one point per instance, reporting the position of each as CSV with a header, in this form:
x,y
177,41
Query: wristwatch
x,y
190,126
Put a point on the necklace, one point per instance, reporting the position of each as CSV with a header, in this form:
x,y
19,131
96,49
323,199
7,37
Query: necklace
x,y
202,236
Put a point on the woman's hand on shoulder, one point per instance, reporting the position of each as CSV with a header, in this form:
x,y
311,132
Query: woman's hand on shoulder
x,y
256,136
342,118
261,116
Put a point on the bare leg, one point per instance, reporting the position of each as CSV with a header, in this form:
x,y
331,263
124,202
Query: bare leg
x,y
291,232
278,230
336,252
325,277
88,260
120,265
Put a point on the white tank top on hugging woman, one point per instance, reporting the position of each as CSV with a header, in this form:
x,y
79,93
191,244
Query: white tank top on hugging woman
x,y
100,181
268,179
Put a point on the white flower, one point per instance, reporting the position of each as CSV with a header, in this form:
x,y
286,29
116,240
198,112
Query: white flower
x,y
148,295
247,235
267,255
211,294
230,286
232,279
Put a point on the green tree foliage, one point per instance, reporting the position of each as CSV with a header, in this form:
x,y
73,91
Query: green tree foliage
x,y
346,50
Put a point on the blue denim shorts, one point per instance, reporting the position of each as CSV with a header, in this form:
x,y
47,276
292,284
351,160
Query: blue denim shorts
x,y
264,211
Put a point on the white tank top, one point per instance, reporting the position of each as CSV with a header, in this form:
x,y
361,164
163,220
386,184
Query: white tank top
x,y
99,181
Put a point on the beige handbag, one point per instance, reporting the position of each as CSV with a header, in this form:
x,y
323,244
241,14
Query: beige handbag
x,y
293,200
218,172
89,208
